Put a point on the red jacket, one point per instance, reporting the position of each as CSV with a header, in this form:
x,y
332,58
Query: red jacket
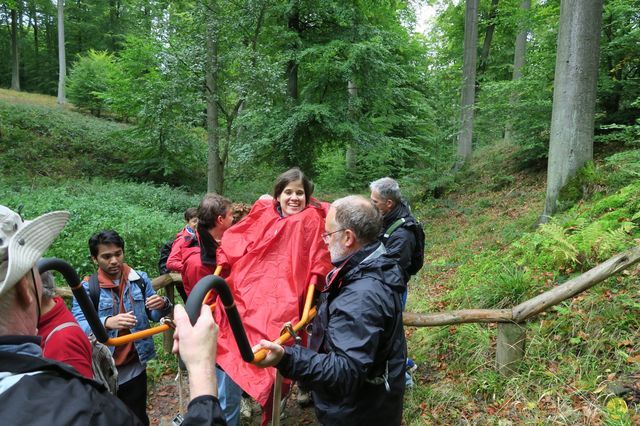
x,y
272,260
176,258
68,345
192,267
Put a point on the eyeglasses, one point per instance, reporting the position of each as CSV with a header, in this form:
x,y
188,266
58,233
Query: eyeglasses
x,y
326,235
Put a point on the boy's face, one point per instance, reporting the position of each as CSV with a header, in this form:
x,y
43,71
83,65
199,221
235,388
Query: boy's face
x,y
110,259
193,223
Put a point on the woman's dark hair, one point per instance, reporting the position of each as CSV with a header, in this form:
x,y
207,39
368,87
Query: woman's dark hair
x,y
104,237
190,213
293,175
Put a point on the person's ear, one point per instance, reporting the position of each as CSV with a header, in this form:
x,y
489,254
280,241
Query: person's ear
x,y
23,295
351,238
389,204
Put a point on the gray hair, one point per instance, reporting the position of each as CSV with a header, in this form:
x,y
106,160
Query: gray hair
x,y
387,188
358,214
48,285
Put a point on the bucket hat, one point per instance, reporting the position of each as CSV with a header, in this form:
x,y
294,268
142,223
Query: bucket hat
x,y
22,243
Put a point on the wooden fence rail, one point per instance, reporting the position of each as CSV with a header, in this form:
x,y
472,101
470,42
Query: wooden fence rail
x,y
511,333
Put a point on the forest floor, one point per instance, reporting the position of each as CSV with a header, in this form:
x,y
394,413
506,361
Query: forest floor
x,y
163,405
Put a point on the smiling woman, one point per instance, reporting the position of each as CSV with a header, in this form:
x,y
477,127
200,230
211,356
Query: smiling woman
x,y
292,190
271,256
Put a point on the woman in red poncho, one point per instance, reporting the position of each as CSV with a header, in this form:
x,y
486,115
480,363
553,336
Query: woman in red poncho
x,y
271,256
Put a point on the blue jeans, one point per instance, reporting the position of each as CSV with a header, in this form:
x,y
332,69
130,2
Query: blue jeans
x,y
229,395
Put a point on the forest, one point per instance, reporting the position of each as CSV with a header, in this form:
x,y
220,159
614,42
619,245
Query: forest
x,y
512,126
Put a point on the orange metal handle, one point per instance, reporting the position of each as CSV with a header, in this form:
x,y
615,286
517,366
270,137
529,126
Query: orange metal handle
x,y
122,340
308,314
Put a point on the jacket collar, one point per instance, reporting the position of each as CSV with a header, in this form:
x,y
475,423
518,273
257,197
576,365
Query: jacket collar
x,y
22,345
208,247
401,210
335,277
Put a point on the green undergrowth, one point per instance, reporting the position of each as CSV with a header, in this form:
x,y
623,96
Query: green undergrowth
x,y
580,353
145,215
38,139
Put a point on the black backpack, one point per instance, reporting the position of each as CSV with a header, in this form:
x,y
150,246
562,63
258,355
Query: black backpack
x,y
165,251
417,258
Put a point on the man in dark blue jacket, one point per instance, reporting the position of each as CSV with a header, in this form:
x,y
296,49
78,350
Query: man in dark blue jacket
x,y
355,367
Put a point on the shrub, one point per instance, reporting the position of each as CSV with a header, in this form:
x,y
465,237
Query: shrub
x,y
145,215
88,80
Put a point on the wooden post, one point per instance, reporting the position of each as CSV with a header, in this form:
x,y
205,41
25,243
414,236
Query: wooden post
x,y
510,347
167,336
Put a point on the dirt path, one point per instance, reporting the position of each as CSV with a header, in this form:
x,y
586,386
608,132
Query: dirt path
x,y
164,402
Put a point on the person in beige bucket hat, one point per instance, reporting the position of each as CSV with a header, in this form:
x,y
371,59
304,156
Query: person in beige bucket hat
x,y
28,382
22,243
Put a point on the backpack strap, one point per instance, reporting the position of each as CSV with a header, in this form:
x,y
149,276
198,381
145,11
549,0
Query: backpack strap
x,y
395,225
142,285
94,290
60,327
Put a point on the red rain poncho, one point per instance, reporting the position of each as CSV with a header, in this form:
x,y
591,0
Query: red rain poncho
x,y
273,260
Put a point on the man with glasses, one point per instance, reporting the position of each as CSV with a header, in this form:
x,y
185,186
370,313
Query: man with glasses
x,y
355,367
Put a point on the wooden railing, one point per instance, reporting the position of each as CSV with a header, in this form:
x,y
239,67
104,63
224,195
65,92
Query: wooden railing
x,y
511,332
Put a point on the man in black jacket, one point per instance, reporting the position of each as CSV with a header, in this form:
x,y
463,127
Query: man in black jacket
x,y
399,240
28,382
355,367
401,234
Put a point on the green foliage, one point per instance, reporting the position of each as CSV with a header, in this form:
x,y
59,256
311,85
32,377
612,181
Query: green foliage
x,y
166,144
621,168
574,350
163,363
88,80
146,216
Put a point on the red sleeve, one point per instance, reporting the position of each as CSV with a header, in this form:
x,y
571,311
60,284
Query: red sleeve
x,y
71,346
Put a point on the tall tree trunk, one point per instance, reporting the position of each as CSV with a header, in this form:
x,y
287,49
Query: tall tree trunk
x,y
15,51
47,34
574,95
215,166
350,156
62,63
468,82
80,47
293,23
35,32
114,13
518,64
488,37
